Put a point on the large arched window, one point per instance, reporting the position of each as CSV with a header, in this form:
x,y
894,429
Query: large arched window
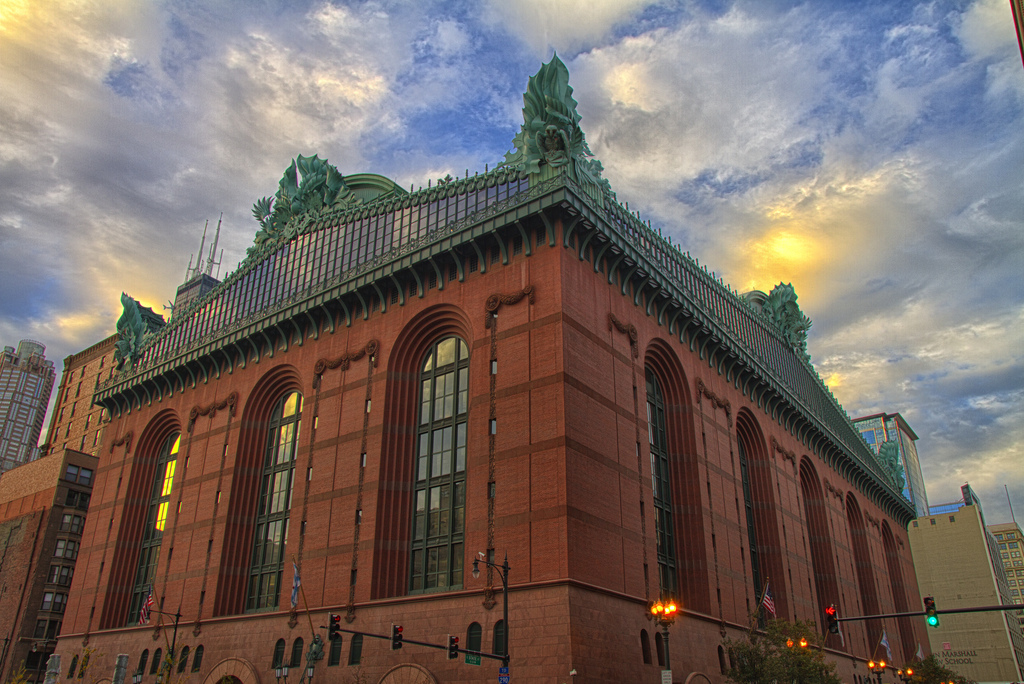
x,y
440,471
156,520
661,483
271,530
748,507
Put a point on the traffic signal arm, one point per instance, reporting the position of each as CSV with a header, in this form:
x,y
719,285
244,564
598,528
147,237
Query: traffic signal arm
x,y
443,647
981,609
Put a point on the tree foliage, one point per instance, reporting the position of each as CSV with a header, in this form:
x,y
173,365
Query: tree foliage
x,y
776,655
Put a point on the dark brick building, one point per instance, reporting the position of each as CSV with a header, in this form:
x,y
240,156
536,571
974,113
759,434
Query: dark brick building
x,y
509,363
43,507
76,423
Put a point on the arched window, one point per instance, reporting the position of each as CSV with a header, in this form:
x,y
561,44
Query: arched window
x,y
645,646
748,507
296,653
334,658
474,636
156,520
355,650
659,646
498,645
142,661
661,482
278,654
440,478
721,661
157,657
197,659
183,659
271,526
74,666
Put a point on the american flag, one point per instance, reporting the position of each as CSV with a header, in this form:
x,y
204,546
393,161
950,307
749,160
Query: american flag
x,y
767,601
147,605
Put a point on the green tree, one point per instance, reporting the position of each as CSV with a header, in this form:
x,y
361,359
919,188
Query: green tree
x,y
784,653
930,671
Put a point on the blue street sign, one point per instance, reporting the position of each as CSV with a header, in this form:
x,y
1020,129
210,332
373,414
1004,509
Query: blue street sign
x,y
502,670
503,679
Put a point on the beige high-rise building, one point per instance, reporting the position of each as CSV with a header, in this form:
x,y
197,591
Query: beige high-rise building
x,y
957,562
26,380
1011,550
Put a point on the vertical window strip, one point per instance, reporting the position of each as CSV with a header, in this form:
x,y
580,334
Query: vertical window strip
x,y
156,518
661,484
439,492
748,505
271,520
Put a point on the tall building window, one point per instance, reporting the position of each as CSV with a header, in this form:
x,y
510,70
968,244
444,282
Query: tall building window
x,y
274,505
440,478
748,506
661,485
156,520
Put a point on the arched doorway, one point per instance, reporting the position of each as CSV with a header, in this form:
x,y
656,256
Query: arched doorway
x,y
408,674
233,671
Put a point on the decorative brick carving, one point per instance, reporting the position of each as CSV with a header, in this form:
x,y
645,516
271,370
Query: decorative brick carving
x,y
229,403
786,454
838,493
703,390
343,361
627,329
125,439
495,301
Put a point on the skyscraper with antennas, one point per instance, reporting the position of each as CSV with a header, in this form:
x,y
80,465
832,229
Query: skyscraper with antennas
x,y
199,279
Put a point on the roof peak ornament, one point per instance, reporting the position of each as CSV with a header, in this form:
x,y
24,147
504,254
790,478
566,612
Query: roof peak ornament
x,y
780,308
136,324
551,135
309,186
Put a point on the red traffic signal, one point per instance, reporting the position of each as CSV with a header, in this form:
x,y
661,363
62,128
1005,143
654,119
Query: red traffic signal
x,y
453,647
396,637
832,619
334,626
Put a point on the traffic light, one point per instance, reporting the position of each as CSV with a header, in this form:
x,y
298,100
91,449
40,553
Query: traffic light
x,y
396,637
334,626
453,647
832,619
931,615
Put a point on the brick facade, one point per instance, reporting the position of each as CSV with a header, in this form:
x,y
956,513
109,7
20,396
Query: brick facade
x,y
558,478
76,423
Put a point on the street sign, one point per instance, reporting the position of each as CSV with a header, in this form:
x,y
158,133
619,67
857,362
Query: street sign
x,y
502,679
666,677
502,670
472,659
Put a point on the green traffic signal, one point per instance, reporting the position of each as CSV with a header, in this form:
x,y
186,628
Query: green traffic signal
x,y
931,614
933,621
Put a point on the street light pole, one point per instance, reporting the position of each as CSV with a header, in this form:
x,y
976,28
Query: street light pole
x,y
878,668
503,573
664,611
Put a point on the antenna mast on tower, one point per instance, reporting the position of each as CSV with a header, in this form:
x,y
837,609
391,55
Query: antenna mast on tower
x,y
210,263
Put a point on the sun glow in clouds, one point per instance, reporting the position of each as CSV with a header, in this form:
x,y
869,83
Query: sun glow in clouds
x,y
781,255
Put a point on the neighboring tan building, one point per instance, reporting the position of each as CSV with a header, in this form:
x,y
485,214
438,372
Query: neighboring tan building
x,y
76,423
1011,545
958,564
505,364
880,428
26,380
43,507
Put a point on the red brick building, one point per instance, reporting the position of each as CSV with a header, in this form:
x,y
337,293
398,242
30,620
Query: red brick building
x,y
76,423
43,507
510,364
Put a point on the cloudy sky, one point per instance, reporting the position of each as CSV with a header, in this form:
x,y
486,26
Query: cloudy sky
x,y
868,152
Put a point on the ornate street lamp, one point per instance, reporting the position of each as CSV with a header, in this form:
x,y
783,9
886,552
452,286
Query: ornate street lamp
x,y
906,675
664,612
878,668
280,672
503,573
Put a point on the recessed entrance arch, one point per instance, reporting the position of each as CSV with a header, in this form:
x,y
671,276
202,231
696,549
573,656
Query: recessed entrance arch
x,y
408,673
233,671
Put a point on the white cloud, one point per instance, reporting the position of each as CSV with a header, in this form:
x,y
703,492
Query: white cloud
x,y
565,25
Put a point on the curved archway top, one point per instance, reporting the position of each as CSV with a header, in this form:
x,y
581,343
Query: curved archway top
x,y
276,382
238,670
157,430
660,356
749,429
408,673
424,329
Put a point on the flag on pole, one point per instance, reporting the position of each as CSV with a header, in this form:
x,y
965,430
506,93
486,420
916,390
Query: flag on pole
x,y
767,601
920,652
147,605
296,583
885,642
